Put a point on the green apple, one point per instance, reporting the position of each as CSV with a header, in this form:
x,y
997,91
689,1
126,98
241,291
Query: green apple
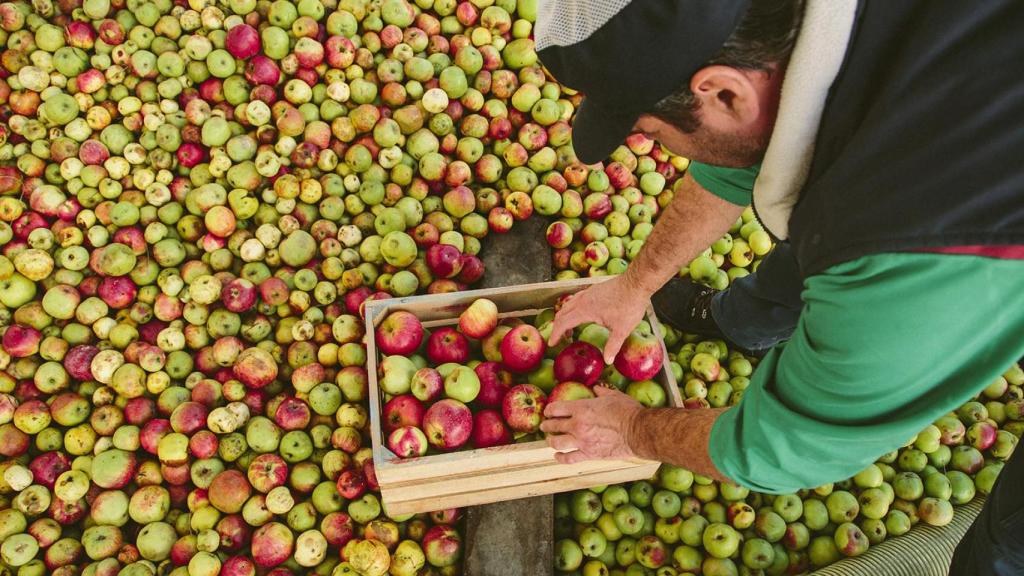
x,y
462,384
614,496
543,376
629,519
647,392
757,554
721,540
874,503
897,523
692,530
842,506
585,506
667,504
568,555
593,542
398,372
641,493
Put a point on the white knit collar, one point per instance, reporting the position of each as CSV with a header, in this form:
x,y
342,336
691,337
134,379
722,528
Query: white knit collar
x,y
817,57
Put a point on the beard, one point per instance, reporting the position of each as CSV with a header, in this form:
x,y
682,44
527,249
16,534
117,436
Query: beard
x,y
730,150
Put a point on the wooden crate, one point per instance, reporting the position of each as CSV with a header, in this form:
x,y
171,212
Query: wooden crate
x,y
472,477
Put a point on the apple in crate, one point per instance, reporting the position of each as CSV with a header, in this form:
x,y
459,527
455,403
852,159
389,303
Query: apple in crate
x,y
489,429
579,362
407,442
427,384
398,372
462,384
480,319
522,348
447,345
401,333
401,411
641,356
494,383
570,390
491,345
523,407
448,424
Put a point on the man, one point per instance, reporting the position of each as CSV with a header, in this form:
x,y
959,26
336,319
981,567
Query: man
x,y
888,136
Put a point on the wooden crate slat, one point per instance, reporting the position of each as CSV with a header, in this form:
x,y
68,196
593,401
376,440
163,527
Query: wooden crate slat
x,y
399,502
468,482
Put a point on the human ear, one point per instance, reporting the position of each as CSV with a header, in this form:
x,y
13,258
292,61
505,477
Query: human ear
x,y
729,97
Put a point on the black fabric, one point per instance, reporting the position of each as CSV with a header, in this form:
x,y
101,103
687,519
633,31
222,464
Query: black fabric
x,y
921,143
761,309
994,544
686,306
640,55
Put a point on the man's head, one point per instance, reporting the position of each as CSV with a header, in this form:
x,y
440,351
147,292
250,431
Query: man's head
x,y
711,92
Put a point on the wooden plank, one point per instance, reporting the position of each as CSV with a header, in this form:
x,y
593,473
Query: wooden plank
x,y
433,488
489,495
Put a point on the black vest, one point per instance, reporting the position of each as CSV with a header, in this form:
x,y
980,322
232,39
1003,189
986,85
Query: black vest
x,y
921,143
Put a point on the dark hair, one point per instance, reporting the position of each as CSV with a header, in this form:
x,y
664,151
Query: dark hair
x,y
764,36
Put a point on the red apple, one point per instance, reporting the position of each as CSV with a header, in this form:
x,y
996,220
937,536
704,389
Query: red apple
x,y
523,407
479,319
229,491
522,348
500,219
351,484
472,269
494,383
403,410
559,234
641,357
448,424
427,384
272,544
400,333
267,471
442,544
489,429
407,442
580,362
444,260
447,345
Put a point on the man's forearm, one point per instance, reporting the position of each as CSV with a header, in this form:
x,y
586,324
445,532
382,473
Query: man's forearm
x,y
677,436
692,221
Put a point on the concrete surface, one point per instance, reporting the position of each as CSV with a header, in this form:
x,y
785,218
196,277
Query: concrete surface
x,y
520,256
513,538
510,538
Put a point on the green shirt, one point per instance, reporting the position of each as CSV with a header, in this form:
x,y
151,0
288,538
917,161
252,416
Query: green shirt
x,y
884,346
734,185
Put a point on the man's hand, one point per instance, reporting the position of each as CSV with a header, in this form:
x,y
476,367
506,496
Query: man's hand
x,y
617,304
592,429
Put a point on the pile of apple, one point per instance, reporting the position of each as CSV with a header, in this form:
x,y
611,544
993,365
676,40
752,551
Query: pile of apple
x,y
601,221
679,523
195,199
484,383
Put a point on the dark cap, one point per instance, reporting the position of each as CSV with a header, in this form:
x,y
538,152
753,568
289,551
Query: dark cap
x,y
627,55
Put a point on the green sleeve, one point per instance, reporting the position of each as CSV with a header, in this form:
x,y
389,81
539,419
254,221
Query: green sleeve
x,y
884,346
734,185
